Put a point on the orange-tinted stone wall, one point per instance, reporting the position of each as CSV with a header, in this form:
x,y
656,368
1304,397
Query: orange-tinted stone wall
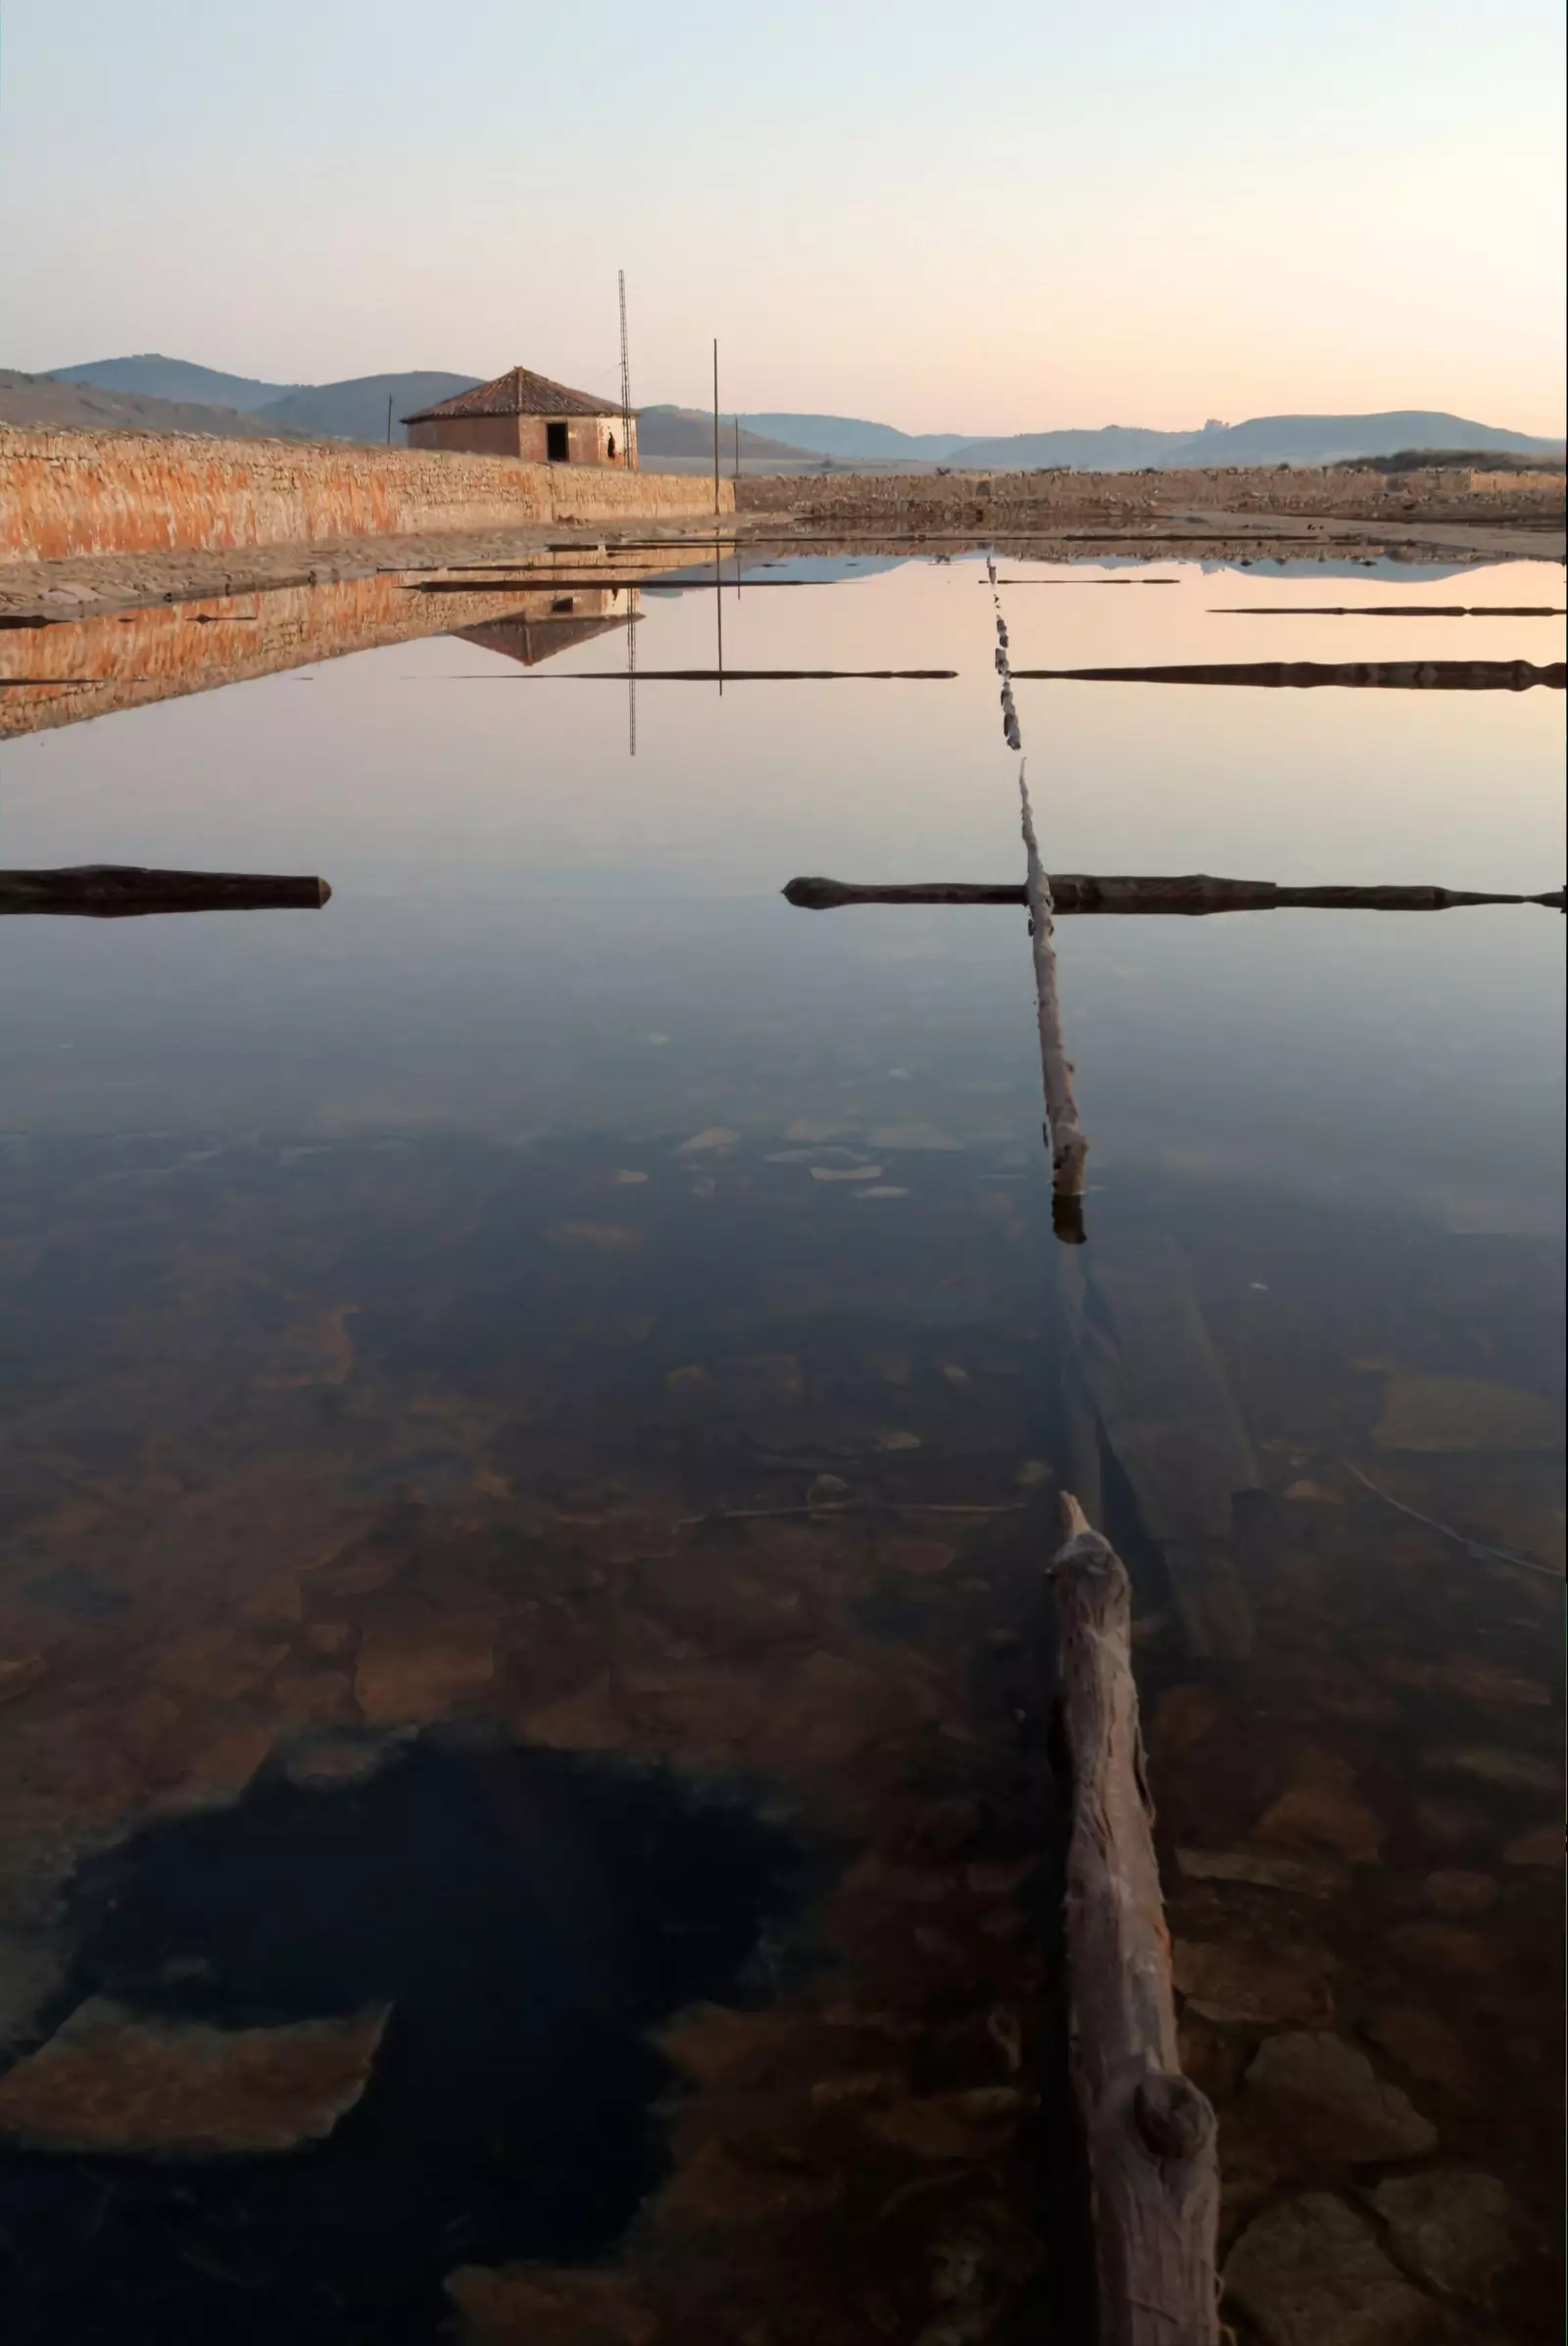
x,y
70,493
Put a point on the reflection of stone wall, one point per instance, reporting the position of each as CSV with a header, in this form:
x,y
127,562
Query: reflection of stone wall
x,y
65,493
1235,489
162,651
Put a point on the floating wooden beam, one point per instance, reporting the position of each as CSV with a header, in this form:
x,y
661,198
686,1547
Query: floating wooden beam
x,y
111,890
1192,894
1388,610
1151,2133
732,676
1398,675
656,582
1069,1144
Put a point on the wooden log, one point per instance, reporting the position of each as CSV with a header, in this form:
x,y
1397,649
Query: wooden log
x,y
114,889
1149,2133
656,582
731,676
1192,894
1402,675
1168,1417
1070,1145
1389,610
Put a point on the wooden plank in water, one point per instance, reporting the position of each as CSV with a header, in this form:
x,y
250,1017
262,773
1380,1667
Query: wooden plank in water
x,y
110,889
1149,2133
1398,675
1192,894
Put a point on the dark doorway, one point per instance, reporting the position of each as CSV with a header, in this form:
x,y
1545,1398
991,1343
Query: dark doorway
x,y
556,447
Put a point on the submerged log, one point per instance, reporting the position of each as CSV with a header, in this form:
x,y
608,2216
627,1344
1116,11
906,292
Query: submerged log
x,y
1399,675
1191,893
1149,2132
116,890
1167,1416
1069,1144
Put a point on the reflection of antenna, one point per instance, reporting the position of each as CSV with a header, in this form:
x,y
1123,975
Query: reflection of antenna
x,y
631,684
626,377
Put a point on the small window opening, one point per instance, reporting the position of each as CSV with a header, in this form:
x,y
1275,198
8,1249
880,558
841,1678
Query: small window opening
x,y
556,448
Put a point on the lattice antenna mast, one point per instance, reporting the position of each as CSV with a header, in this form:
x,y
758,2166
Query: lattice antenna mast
x,y
625,377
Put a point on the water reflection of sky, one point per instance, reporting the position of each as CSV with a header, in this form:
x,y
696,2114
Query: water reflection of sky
x,y
518,905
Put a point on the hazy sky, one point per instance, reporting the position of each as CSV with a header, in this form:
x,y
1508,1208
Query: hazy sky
x,y
1014,216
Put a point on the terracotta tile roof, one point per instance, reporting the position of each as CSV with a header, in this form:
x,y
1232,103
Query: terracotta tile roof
x,y
519,392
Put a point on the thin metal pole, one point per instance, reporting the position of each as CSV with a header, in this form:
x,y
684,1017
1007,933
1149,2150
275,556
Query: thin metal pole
x,y
715,427
626,380
389,420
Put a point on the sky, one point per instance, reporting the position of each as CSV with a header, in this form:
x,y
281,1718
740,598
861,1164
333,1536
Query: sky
x,y
1015,217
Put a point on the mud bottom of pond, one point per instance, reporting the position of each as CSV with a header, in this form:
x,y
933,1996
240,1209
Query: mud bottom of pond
x,y
317,2049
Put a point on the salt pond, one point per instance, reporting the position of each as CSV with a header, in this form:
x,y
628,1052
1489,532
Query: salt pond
x,y
558,1294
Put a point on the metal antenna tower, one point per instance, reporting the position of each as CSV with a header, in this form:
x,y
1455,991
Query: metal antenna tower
x,y
626,377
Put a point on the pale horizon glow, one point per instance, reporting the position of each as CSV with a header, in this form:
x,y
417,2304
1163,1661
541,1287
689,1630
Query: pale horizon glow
x,y
1035,218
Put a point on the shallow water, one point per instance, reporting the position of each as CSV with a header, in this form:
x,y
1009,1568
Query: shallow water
x,y
445,1307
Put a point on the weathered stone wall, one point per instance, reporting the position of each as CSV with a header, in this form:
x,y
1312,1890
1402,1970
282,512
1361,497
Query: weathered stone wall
x,y
1125,496
69,493
54,676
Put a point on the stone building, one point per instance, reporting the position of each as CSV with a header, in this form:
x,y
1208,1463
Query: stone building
x,y
526,415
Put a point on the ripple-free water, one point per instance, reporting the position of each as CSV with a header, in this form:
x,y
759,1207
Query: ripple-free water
x,y
558,1190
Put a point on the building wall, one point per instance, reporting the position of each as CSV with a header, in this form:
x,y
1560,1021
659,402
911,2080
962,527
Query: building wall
x,y
588,437
72,493
469,435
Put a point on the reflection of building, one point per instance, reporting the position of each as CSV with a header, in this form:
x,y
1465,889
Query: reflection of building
x,y
526,415
545,624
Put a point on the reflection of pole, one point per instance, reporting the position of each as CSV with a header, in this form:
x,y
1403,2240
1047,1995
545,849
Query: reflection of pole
x,y
626,380
715,427
631,685
718,606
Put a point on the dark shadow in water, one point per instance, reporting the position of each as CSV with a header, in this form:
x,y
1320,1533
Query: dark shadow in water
x,y
526,1915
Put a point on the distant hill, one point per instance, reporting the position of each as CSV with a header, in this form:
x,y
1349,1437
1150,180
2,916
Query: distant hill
x,y
688,432
43,399
849,438
1114,447
153,377
1265,440
1122,448
357,410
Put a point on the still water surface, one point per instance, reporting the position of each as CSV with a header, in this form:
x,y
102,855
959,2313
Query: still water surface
x,y
531,1414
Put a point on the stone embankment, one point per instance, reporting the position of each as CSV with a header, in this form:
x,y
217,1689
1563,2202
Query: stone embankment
x,y
111,660
1134,500
68,494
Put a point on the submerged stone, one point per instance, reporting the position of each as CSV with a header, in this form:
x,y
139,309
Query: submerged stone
x,y
1252,1984
1310,2272
1452,2226
115,2081
1463,1413
1313,2096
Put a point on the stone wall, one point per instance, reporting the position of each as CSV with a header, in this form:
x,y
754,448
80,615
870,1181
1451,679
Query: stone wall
x,y
72,492
53,676
1129,496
